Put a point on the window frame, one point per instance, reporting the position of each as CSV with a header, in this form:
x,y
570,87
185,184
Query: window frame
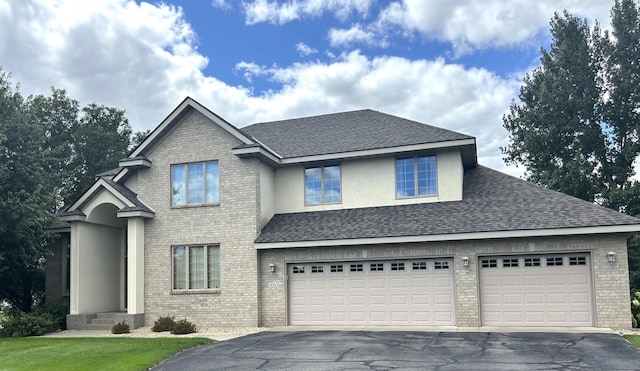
x,y
204,202
416,180
188,273
323,200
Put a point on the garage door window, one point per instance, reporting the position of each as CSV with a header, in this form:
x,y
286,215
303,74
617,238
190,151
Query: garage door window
x,y
508,263
377,267
577,260
317,268
356,268
397,266
555,261
336,268
531,262
420,266
441,264
489,263
298,269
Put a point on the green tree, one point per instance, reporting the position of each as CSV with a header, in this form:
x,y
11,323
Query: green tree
x,y
26,200
575,125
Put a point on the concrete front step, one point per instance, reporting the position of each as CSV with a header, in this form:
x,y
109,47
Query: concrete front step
x,y
94,326
102,321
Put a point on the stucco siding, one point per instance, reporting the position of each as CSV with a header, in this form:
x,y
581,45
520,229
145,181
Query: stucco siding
x,y
368,182
232,224
610,281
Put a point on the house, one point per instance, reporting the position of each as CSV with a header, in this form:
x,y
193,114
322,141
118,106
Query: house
x,y
353,218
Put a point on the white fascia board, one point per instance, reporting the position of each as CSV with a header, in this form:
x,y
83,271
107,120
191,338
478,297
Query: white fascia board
x,y
255,151
74,218
379,151
139,162
632,228
133,214
95,188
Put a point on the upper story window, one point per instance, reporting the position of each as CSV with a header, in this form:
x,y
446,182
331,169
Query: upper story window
x,y
322,185
195,184
416,176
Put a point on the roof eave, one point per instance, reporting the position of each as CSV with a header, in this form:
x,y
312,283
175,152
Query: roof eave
x,y
625,229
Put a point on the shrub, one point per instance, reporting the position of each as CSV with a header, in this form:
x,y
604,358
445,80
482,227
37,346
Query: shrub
x,y
120,328
163,324
635,309
183,327
58,311
20,324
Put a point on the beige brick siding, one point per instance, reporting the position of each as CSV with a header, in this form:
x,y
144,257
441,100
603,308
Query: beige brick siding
x,y
231,224
610,281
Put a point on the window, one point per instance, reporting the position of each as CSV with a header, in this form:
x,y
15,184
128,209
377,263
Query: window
x,y
416,176
531,262
196,267
397,266
317,268
441,264
322,185
298,269
376,267
355,268
507,263
489,263
577,260
421,266
336,268
195,184
554,261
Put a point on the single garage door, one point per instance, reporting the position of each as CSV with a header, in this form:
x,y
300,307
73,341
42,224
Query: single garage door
x,y
398,292
536,290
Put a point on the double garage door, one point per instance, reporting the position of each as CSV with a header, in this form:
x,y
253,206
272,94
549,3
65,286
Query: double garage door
x,y
536,290
398,292
529,290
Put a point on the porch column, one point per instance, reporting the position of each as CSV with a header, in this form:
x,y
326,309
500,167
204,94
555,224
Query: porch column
x,y
74,269
135,266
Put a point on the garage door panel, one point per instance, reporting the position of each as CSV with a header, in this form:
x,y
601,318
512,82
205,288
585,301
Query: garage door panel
x,y
548,291
376,292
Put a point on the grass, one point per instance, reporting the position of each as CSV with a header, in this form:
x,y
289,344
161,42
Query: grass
x,y
90,353
633,339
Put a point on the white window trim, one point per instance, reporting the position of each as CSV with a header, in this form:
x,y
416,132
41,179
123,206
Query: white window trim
x,y
206,263
322,194
186,181
415,177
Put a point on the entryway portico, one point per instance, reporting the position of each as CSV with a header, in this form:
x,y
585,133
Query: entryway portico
x,y
107,255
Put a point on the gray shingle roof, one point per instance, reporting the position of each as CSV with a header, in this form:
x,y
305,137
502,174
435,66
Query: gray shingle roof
x,y
345,132
492,202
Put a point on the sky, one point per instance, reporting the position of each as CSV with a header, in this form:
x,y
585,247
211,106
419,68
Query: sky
x,y
456,64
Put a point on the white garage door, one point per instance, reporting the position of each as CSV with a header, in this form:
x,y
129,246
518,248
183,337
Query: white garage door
x,y
399,292
536,290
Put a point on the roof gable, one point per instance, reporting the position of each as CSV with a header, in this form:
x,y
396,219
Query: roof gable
x,y
346,132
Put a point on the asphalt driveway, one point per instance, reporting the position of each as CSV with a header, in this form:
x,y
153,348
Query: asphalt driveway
x,y
382,350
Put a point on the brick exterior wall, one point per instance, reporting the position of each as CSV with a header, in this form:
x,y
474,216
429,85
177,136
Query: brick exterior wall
x,y
610,281
232,224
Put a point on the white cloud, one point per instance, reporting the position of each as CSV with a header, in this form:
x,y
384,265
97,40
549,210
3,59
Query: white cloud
x,y
280,12
221,4
353,35
470,24
143,58
305,50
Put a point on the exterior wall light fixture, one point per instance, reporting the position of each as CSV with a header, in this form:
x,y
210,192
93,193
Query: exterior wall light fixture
x,y
465,261
272,268
611,256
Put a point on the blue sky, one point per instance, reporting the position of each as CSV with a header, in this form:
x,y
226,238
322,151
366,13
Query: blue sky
x,y
453,64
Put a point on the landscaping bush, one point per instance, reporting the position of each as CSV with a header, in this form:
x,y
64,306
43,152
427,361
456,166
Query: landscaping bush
x,y
183,327
120,328
635,309
163,324
58,311
20,324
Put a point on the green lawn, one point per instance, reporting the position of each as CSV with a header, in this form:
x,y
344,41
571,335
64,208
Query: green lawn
x,y
633,339
90,353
